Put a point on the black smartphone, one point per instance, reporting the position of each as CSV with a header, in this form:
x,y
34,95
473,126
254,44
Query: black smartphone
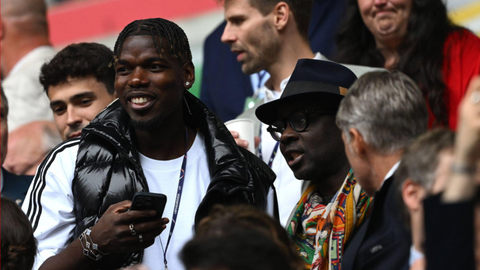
x,y
149,201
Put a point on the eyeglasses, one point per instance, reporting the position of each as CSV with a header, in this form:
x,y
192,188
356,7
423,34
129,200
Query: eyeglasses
x,y
298,121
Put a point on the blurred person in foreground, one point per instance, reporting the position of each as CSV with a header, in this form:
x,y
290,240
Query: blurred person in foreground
x,y
240,237
12,186
458,206
302,120
18,244
417,38
26,47
380,116
423,172
79,83
78,204
240,250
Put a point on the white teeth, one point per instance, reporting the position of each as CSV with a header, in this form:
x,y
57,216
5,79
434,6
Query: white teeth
x,y
139,100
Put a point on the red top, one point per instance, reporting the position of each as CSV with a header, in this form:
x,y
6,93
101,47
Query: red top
x,y
461,64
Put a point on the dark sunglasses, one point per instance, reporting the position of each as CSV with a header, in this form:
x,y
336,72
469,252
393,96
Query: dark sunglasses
x,y
298,121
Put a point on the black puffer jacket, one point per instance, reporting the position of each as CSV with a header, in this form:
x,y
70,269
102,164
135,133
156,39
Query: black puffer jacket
x,y
108,169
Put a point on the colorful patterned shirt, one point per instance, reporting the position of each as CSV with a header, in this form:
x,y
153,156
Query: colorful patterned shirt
x,y
320,231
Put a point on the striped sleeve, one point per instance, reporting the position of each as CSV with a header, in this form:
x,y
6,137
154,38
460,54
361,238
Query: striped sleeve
x,y
49,202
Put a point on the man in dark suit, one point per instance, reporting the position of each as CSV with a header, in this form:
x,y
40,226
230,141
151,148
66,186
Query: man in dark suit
x,y
13,186
381,114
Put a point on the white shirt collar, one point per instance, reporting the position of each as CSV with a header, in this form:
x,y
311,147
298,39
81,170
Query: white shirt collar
x,y
390,172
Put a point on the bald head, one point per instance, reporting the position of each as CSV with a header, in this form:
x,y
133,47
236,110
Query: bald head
x,y
19,8
29,15
24,28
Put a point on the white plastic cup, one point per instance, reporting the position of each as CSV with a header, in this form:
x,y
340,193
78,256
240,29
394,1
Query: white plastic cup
x,y
244,127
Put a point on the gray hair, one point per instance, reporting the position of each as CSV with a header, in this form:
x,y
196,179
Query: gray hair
x,y
420,162
4,101
388,109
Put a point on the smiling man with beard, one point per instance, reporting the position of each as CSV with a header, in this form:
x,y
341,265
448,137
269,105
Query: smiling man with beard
x,y
303,121
80,196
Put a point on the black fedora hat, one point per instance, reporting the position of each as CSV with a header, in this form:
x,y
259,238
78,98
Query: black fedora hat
x,y
323,80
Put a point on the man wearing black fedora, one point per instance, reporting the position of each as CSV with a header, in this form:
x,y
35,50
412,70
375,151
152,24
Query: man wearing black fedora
x,y
303,121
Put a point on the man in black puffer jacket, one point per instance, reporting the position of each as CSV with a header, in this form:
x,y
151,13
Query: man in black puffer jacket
x,y
80,196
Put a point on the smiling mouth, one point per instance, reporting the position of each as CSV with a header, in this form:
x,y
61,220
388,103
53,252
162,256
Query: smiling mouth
x,y
383,12
139,100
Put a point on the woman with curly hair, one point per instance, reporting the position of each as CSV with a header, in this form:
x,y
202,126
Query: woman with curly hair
x,y
18,244
417,38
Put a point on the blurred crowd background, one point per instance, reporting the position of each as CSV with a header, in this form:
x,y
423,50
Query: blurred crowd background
x,y
198,18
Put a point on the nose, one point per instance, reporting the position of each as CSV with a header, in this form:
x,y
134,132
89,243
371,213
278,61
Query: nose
x,y
138,78
73,118
380,2
228,35
288,135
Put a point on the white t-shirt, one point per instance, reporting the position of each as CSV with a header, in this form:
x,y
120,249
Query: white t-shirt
x,y
26,99
162,177
49,202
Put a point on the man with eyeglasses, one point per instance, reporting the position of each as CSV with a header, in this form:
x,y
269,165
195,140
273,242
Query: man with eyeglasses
x,y
303,121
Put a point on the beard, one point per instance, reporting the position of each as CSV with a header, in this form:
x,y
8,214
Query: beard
x,y
266,45
148,125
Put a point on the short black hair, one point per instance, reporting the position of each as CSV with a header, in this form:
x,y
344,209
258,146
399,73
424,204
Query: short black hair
x,y
177,41
79,61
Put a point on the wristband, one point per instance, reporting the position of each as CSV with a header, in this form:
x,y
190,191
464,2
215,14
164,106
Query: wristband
x,y
90,249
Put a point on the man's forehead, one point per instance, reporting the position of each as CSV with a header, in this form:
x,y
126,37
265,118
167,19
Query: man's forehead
x,y
237,7
147,42
74,86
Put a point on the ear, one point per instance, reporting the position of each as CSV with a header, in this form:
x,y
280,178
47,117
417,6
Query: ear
x,y
358,145
281,15
188,75
412,194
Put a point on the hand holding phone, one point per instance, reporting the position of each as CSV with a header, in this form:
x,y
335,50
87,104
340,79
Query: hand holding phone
x,y
149,201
